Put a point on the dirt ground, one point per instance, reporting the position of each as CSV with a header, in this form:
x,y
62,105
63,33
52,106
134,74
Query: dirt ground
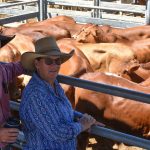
x,y
105,144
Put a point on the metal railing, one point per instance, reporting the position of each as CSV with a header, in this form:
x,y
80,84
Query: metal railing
x,y
98,7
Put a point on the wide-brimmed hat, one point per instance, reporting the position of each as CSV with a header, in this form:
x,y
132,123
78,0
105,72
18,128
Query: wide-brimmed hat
x,y
44,47
5,39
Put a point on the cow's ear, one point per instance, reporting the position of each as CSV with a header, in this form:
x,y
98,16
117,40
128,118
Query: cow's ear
x,y
99,32
130,69
94,32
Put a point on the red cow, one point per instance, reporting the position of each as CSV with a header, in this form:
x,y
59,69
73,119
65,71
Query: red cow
x,y
137,75
60,18
53,26
97,34
118,113
140,2
107,34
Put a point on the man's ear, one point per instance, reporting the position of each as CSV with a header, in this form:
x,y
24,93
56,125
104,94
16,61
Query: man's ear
x,y
36,63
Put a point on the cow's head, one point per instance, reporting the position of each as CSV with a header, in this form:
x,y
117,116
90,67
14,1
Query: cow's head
x,y
88,34
95,34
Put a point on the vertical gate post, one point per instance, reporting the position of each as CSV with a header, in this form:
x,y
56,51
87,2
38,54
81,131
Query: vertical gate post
x,y
45,9
96,11
96,3
99,11
147,12
42,7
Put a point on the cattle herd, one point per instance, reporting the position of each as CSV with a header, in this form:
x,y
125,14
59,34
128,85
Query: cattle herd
x,y
104,54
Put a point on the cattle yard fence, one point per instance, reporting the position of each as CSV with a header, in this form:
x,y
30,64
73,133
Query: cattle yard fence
x,y
97,130
98,15
93,11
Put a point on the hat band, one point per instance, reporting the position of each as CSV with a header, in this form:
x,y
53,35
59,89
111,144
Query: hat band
x,y
52,52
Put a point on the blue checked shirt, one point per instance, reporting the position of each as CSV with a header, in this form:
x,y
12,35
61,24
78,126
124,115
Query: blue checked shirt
x,y
48,119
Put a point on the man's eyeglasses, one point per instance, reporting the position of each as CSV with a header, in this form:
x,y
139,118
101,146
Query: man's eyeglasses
x,y
49,61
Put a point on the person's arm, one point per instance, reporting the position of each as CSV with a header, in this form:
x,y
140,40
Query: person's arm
x,y
44,115
77,114
12,70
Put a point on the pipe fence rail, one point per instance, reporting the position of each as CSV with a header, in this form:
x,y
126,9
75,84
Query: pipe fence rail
x,y
97,130
105,88
98,7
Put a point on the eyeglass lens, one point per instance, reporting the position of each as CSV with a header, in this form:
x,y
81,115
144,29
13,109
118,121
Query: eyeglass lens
x,y
49,61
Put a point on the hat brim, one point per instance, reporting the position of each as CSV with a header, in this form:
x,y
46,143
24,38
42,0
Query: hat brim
x,y
27,58
5,39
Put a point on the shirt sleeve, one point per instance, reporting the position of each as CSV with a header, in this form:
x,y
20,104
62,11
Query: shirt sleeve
x,y
13,70
44,115
77,114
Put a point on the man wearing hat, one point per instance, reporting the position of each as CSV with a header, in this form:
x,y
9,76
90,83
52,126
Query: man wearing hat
x,y
45,111
8,72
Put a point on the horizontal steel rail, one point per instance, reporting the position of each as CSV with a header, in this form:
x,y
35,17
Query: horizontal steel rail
x,y
105,88
23,14
109,21
18,18
105,6
120,137
57,2
16,4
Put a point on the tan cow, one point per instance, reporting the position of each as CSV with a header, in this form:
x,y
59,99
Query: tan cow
x,y
60,18
141,49
77,65
109,57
